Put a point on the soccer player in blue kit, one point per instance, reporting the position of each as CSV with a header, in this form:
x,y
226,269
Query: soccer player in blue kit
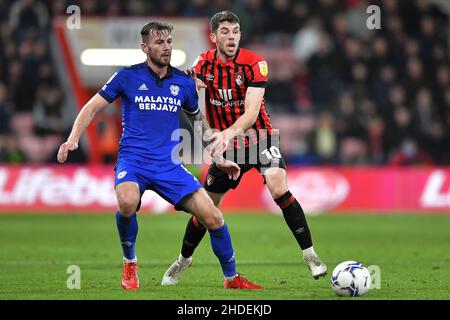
x,y
153,93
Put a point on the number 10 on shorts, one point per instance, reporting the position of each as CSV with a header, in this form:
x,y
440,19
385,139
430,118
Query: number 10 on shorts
x,y
272,152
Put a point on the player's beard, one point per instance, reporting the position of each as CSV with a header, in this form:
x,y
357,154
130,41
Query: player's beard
x,y
161,61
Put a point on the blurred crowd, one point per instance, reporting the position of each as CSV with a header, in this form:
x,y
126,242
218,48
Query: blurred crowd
x,y
32,117
340,92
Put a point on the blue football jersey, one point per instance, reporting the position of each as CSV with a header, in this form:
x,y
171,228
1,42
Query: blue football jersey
x,y
150,108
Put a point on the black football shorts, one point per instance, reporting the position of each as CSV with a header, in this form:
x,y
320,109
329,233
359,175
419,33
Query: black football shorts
x,y
266,154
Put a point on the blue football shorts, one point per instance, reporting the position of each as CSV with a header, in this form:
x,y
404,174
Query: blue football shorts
x,y
172,183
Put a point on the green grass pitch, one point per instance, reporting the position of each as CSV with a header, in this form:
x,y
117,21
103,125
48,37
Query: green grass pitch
x,y
412,251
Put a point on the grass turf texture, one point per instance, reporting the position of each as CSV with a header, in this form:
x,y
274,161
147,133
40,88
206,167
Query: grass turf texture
x,y
35,251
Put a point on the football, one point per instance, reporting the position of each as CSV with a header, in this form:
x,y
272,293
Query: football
x,y
350,279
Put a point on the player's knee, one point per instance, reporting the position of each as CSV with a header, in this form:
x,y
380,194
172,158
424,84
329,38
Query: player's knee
x,y
128,206
276,183
128,198
278,191
214,220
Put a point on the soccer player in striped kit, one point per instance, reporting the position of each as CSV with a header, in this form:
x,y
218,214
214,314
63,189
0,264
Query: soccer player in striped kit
x,y
234,80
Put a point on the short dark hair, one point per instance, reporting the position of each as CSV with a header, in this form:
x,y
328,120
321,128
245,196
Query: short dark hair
x,y
222,16
157,26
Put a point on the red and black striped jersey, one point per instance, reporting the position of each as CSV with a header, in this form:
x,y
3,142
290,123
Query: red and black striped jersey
x,y
227,84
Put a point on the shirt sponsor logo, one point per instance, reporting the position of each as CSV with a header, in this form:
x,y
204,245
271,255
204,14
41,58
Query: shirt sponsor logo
x,y
158,103
226,94
225,104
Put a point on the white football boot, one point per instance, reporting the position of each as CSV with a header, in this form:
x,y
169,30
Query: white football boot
x,y
172,275
316,266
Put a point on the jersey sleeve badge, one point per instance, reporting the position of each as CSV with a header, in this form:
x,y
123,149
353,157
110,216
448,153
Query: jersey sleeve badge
x,y
263,68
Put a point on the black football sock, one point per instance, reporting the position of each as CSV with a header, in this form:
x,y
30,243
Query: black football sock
x,y
194,233
295,219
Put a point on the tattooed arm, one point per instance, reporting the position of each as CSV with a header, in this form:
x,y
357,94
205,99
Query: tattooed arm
x,y
202,128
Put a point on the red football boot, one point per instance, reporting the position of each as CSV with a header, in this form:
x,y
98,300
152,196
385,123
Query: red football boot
x,y
130,280
239,282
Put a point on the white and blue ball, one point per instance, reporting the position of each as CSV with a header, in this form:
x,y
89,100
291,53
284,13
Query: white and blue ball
x,y
350,279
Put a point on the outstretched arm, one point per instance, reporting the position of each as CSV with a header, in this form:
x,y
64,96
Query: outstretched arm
x,y
253,100
87,113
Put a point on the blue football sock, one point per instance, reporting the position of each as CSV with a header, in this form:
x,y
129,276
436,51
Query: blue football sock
x,y
128,229
223,249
